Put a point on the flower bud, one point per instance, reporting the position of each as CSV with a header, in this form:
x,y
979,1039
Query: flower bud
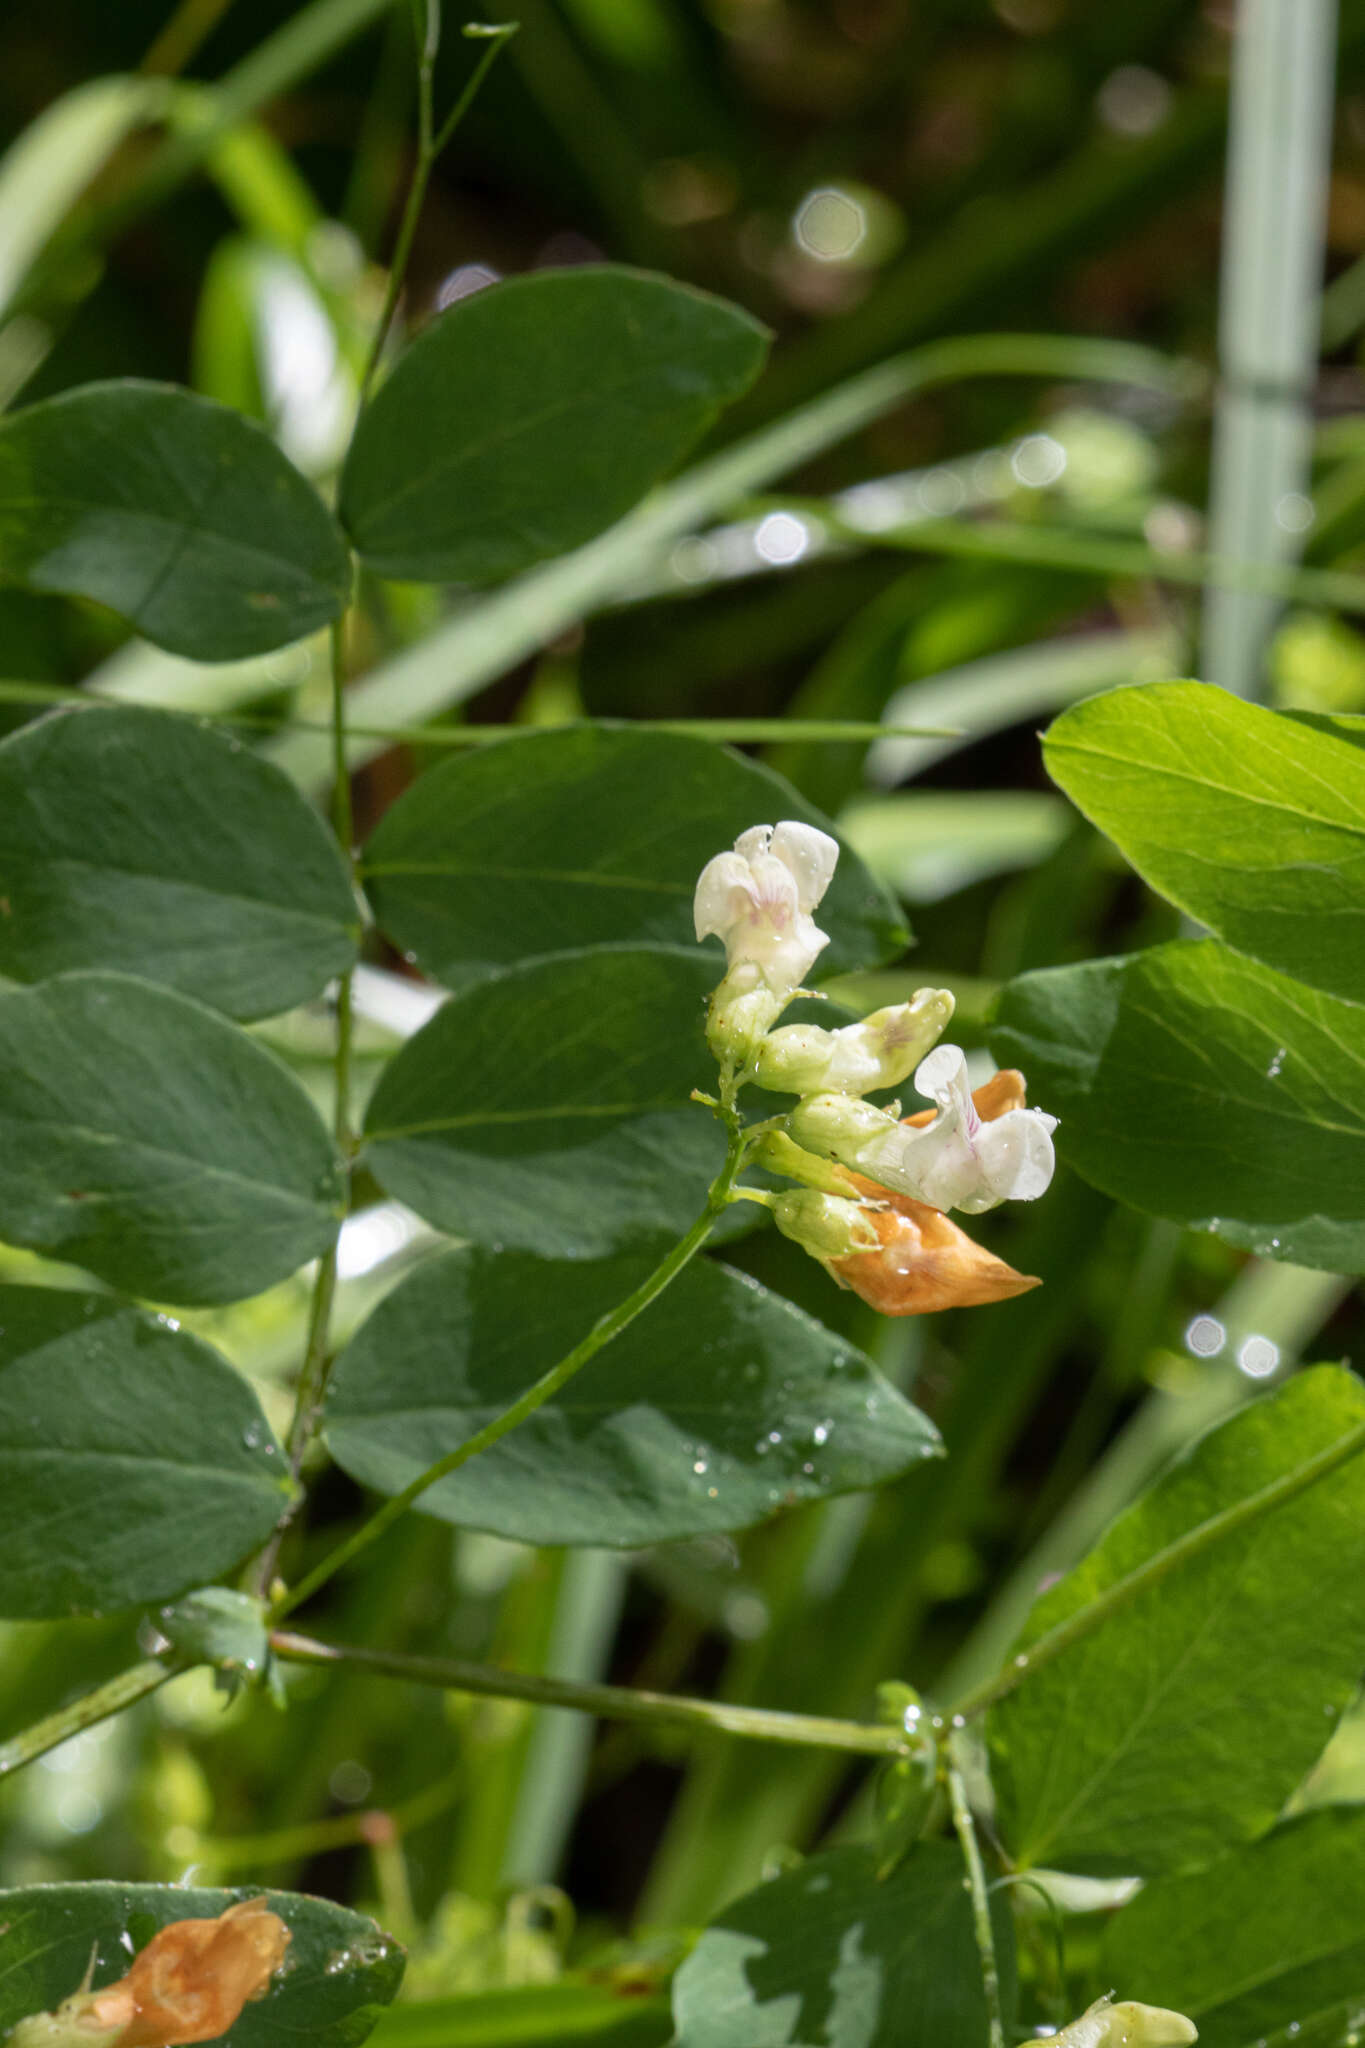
x,y
880,1052
1126,2025
740,1014
827,1226
840,1126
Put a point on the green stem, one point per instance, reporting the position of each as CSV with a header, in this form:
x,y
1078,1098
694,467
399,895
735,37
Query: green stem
x,y
110,1698
540,1391
429,148
980,1895
1192,1544
612,1702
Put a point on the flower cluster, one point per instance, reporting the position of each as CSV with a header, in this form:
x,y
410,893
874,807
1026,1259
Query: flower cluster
x,y
875,1185
188,1984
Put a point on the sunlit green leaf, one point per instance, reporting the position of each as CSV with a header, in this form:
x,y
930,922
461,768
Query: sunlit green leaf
x,y
1183,1721
1270,1936
1204,1087
1252,822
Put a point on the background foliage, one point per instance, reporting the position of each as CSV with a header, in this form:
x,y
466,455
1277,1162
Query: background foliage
x,y
977,537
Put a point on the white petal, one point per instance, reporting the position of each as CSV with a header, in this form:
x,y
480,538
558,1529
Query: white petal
x,y
725,891
810,854
1017,1159
942,1076
753,844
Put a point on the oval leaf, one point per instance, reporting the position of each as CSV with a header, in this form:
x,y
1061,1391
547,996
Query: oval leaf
x,y
137,840
340,1970
531,415
717,1404
146,1139
588,837
832,1953
182,516
1183,1721
134,1462
1269,1937
548,1107
1252,822
1204,1087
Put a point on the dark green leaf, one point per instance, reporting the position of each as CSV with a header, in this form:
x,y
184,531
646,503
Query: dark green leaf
x,y
182,516
146,1139
339,1972
827,1954
1252,822
1269,1937
1183,1721
716,1405
588,837
1203,1087
137,840
134,1461
548,1107
531,415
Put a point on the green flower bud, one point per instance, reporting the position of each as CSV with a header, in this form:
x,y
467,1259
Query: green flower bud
x,y
839,1126
880,1052
742,1010
826,1226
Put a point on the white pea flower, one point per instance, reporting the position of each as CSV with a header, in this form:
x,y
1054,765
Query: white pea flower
x,y
880,1052
758,900
958,1159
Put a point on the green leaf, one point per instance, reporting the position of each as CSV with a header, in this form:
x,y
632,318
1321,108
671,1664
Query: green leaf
x,y
146,1139
547,1108
134,1462
1204,1087
141,841
339,1972
717,1404
1269,1937
530,416
826,1953
1183,1721
1252,822
182,516
587,837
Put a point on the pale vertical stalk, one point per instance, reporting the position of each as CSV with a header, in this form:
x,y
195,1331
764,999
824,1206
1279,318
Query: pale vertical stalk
x,y
965,1828
1274,220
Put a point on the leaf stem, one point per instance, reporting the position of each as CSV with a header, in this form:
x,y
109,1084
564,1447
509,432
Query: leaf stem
x,y
611,1702
965,1827
540,1391
110,1698
1202,1537
429,148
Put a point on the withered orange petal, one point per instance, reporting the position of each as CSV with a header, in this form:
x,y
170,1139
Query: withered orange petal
x,y
193,1978
925,1263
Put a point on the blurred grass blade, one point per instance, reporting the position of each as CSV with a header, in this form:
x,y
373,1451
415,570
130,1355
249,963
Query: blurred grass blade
x,y
1005,689
1273,239
486,639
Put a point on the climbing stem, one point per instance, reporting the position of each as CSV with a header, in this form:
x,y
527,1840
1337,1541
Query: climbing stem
x,y
611,1702
110,1698
977,1887
541,1390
